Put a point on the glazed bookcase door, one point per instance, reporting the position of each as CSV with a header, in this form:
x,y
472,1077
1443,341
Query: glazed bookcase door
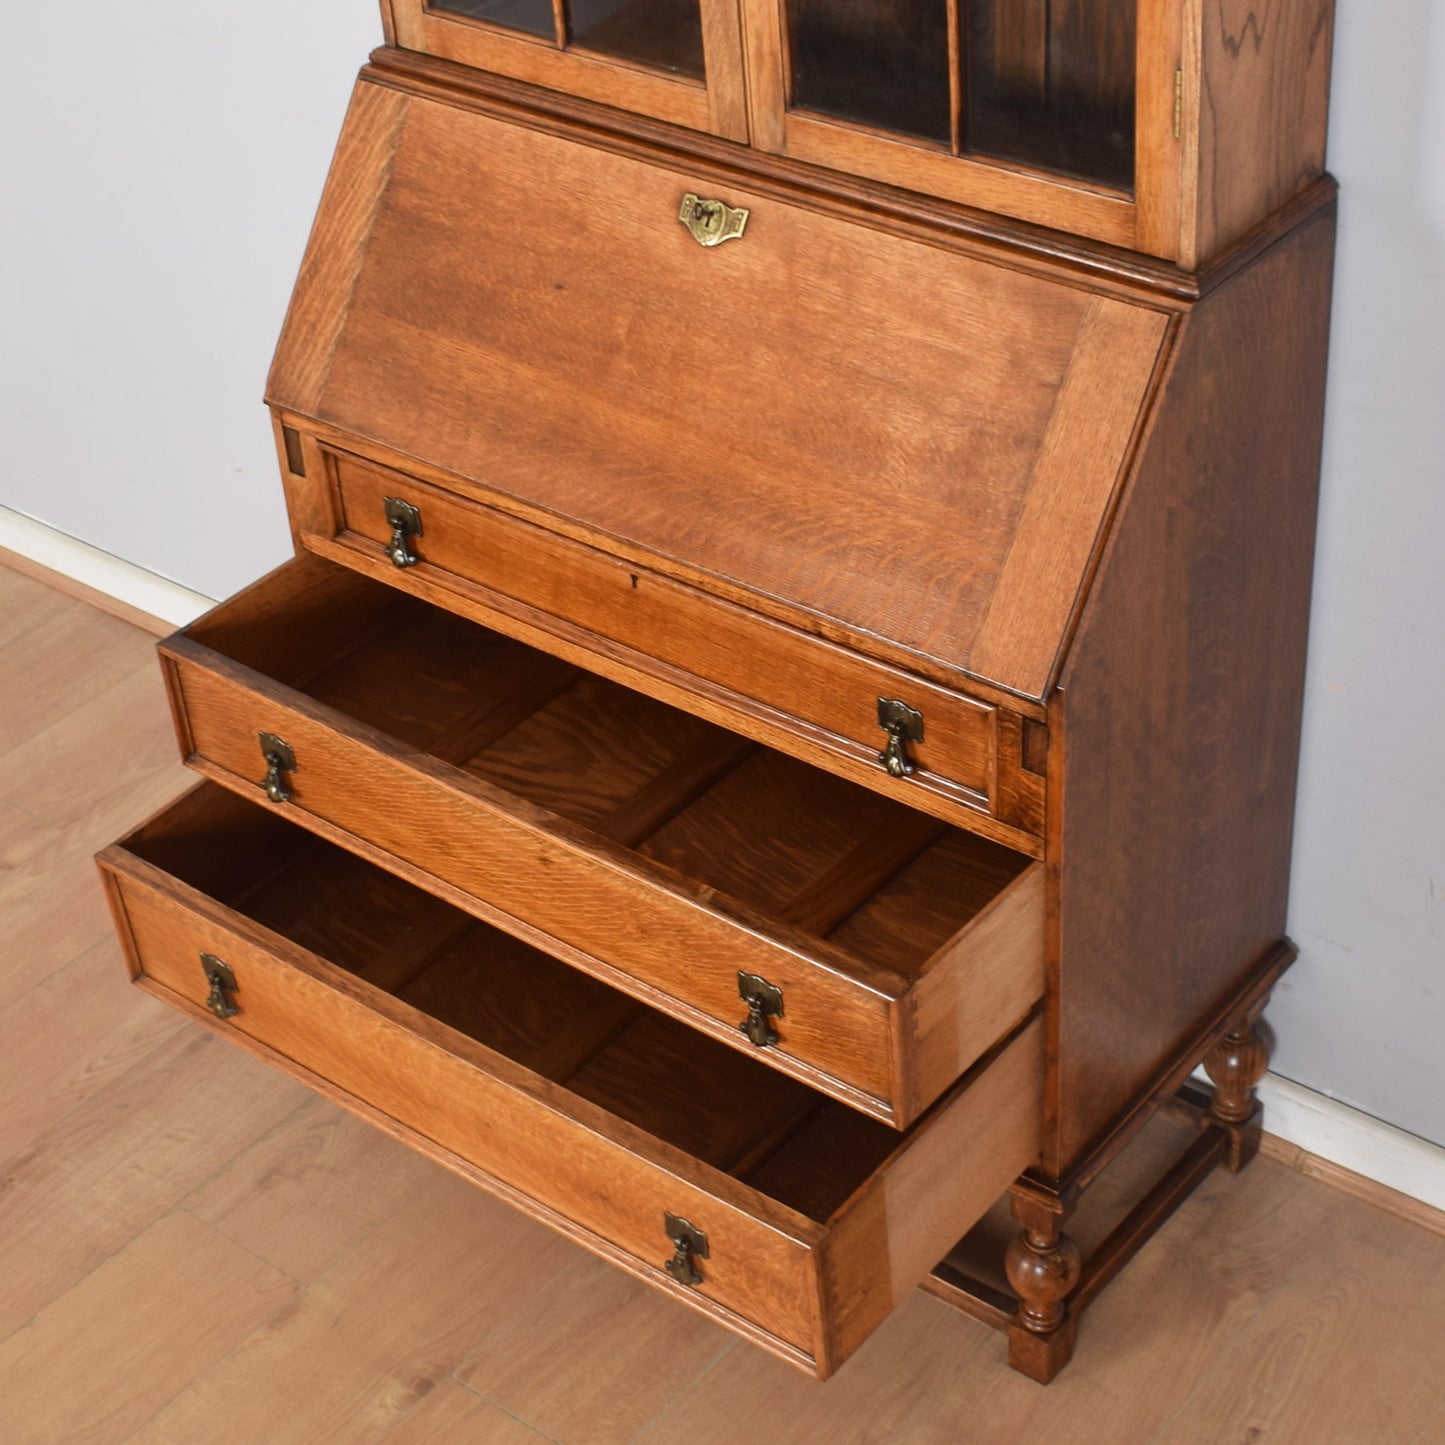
x,y
1060,112
677,60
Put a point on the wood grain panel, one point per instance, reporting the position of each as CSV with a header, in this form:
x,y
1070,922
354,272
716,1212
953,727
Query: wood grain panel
x,y
360,172
606,1173
772,830
588,752
993,972
1181,698
816,683
1079,469
522,863
726,1115
581,374
1264,94
888,1236
744,859
1163,153
547,1145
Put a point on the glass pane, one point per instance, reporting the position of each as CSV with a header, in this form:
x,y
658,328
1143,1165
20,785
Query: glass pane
x,y
533,16
1050,84
880,62
665,34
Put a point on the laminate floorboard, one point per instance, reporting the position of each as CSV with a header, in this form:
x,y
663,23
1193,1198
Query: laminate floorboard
x,y
194,1249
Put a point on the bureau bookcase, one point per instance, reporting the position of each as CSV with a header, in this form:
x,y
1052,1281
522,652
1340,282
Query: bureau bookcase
x,y
780,731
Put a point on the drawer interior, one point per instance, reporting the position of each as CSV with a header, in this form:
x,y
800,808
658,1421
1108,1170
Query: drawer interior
x,y
834,860
720,1106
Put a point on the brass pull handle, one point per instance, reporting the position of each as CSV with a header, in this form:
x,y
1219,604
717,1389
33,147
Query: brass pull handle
x,y
689,1245
904,725
712,222
764,1000
279,760
223,984
405,523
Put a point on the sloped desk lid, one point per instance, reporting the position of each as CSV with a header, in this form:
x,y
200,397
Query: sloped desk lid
x,y
891,441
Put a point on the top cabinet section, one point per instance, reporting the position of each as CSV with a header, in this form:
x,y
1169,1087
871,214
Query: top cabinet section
x,y
1169,127
677,60
1038,85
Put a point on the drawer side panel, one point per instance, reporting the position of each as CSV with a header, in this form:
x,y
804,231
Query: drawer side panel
x,y
907,1217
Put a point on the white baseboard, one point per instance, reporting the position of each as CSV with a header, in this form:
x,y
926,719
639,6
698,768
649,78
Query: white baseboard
x,y
1354,1140
127,583
1351,1139
1299,1116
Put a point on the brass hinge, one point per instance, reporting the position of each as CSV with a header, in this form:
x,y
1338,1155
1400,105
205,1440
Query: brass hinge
x,y
1178,104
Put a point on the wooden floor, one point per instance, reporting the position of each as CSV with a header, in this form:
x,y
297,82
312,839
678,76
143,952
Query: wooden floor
x,y
195,1250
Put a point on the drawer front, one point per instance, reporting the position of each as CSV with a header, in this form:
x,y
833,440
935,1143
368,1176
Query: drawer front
x,y
532,1148
549,1090
531,874
859,945
825,696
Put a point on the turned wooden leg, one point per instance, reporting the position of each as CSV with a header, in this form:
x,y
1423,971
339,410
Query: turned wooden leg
x,y
1043,1267
1236,1064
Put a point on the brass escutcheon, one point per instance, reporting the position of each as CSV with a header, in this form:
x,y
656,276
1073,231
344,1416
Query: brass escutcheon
x,y
712,222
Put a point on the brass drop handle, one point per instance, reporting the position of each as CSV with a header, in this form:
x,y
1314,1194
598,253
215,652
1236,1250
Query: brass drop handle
x,y
689,1245
712,222
223,984
405,523
280,760
904,725
764,1001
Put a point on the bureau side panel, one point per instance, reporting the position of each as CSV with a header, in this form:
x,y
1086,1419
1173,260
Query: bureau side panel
x,y
1176,734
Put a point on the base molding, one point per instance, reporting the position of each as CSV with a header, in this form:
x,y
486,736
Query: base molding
x,y
108,583
1354,1152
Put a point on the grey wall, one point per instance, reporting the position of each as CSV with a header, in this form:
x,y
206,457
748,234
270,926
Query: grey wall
x,y
158,173
1362,1016
159,168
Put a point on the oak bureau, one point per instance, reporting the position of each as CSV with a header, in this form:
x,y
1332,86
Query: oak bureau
x,y
781,727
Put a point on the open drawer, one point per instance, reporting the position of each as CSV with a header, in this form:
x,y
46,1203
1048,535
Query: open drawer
x,y
865,948
782,1214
